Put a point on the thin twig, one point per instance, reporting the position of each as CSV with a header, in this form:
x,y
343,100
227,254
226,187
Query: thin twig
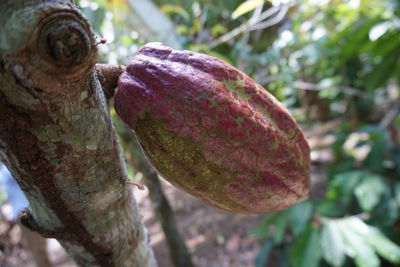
x,y
390,116
243,27
273,21
315,87
256,22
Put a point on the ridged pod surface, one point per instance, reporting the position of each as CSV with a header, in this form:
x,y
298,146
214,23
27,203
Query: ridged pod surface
x,y
212,131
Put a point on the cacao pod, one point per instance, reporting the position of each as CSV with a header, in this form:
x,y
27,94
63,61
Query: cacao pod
x,y
212,131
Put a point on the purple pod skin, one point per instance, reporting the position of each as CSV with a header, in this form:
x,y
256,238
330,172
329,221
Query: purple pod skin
x,y
214,132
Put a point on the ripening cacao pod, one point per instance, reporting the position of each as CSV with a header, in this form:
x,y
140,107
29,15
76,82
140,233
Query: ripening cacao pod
x,y
212,131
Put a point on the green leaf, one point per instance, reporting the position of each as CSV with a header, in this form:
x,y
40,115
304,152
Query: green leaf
x,y
358,240
262,230
397,193
276,221
283,258
306,250
329,208
386,43
384,70
96,17
218,29
203,49
356,38
246,7
219,55
280,226
175,9
332,244
263,254
384,246
376,239
387,212
343,184
355,244
369,191
300,216
374,160
182,29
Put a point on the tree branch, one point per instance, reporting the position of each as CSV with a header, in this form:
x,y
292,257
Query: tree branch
x,y
108,76
57,138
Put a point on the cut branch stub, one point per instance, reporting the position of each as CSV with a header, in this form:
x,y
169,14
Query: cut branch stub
x,y
65,42
60,45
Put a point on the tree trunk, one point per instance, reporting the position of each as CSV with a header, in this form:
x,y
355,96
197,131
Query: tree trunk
x,y
57,139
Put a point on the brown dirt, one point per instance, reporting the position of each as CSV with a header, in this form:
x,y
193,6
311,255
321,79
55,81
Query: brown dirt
x,y
215,238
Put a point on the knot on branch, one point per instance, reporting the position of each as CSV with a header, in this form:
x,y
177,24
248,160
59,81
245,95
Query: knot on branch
x,y
65,41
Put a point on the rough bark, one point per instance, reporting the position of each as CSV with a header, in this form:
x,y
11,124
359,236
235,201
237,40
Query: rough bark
x,y
57,139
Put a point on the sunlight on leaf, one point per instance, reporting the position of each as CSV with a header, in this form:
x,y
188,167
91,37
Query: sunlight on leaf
x,y
375,238
332,244
175,9
369,191
355,245
218,29
384,246
246,7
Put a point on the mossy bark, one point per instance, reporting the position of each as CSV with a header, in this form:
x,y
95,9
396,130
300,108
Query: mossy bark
x,y
57,138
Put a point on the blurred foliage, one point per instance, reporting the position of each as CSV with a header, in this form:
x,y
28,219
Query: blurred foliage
x,y
329,61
